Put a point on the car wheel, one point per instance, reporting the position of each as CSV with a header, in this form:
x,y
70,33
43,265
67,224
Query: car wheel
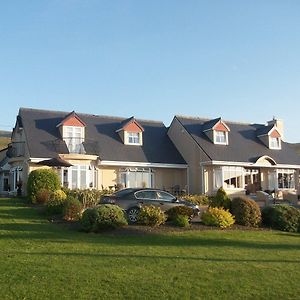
x,y
132,214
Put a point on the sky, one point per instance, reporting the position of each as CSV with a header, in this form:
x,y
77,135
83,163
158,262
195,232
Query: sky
x,y
238,60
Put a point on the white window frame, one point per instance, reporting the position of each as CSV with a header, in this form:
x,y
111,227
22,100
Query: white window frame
x,y
124,179
90,176
218,177
74,137
290,183
275,143
133,138
218,136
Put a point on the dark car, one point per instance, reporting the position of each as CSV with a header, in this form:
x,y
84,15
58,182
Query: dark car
x,y
132,199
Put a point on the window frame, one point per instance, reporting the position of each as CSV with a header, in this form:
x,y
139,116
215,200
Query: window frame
x,y
274,145
218,136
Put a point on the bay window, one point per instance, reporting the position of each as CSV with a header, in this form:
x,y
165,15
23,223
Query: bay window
x,y
286,179
136,177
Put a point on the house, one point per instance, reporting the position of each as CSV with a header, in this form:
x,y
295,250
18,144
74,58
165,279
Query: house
x,y
4,173
104,152
241,158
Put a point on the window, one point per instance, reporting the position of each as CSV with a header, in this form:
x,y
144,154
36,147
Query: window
x,y
146,195
134,138
275,143
220,137
229,177
286,179
136,177
165,196
74,137
79,177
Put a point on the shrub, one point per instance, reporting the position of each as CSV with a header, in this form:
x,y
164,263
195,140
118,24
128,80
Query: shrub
x,y
89,219
219,217
88,198
181,221
109,216
56,202
42,196
41,179
182,210
151,216
246,211
220,199
196,199
72,209
281,217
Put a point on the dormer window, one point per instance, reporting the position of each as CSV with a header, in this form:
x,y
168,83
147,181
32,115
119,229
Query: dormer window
x,y
72,130
133,138
217,131
220,137
74,137
131,132
275,142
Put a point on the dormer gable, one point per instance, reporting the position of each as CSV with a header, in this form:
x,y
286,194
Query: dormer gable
x,y
270,135
131,132
217,131
72,119
72,130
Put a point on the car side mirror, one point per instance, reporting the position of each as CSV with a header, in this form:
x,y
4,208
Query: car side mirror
x,y
175,199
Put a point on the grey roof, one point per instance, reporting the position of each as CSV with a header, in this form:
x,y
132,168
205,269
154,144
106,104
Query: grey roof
x,y
264,130
101,138
244,145
3,157
210,124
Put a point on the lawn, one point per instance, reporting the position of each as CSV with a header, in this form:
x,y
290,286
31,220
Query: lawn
x,y
42,260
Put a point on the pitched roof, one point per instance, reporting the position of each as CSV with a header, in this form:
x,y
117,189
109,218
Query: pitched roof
x,y
101,138
128,121
244,145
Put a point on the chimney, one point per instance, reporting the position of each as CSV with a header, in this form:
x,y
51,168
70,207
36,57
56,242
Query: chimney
x,y
279,124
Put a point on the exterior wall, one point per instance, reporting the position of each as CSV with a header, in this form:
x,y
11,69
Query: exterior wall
x,y
163,178
191,152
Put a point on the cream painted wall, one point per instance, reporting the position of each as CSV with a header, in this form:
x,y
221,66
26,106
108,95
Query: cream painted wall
x,y
191,152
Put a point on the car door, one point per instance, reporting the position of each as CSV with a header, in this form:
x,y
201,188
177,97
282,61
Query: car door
x,y
146,197
165,200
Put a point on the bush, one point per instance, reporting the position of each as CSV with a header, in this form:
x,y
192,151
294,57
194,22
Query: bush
x,y
246,211
197,199
89,219
182,210
41,179
219,217
220,200
281,217
56,202
108,216
72,209
181,221
151,216
42,196
88,198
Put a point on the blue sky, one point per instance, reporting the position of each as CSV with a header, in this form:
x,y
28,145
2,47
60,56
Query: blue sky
x,y
152,59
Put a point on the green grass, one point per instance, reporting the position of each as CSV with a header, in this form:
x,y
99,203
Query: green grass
x,y
41,260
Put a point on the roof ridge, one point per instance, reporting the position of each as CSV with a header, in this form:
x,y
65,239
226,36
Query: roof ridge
x,y
91,115
205,119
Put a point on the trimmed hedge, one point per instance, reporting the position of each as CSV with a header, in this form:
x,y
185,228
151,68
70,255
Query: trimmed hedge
x,y
219,217
41,179
196,199
220,200
282,217
182,210
72,209
181,221
55,204
151,216
246,211
104,216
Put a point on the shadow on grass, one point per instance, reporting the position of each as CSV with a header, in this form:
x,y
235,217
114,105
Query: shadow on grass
x,y
48,231
154,257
